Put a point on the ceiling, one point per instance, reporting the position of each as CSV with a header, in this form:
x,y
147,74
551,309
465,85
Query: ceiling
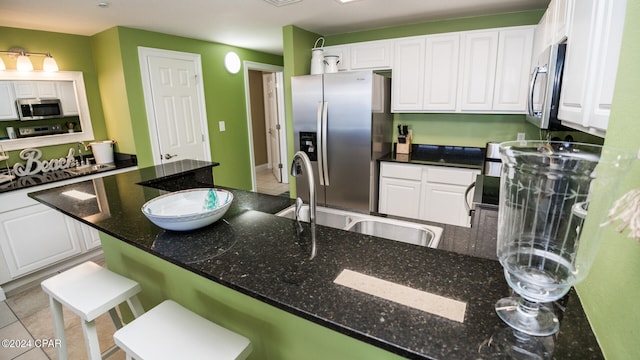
x,y
253,24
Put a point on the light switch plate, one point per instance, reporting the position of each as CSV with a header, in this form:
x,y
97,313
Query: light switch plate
x,y
221,126
520,136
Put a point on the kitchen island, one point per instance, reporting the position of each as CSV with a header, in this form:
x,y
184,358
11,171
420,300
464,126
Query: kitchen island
x,y
251,273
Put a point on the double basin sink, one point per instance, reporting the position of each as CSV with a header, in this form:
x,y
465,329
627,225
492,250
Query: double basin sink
x,y
89,169
404,231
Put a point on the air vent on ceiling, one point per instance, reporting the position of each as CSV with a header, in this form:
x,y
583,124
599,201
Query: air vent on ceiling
x,y
282,2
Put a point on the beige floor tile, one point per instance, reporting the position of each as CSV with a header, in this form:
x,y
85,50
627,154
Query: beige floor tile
x,y
33,354
20,341
29,301
6,315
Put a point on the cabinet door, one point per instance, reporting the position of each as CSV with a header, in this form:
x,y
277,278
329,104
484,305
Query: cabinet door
x,y
399,197
67,92
561,20
343,52
90,236
7,101
478,70
35,237
613,15
581,48
512,70
371,55
441,72
35,89
408,74
444,203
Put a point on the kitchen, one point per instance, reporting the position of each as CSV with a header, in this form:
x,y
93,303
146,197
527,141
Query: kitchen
x,y
470,130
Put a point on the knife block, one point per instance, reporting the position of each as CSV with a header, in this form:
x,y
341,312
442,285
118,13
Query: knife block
x,y
404,148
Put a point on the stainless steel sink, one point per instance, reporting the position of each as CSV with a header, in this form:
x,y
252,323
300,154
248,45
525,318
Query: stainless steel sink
x,y
89,169
405,231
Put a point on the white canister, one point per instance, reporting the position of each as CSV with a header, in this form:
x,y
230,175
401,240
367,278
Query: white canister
x,y
102,151
317,56
331,63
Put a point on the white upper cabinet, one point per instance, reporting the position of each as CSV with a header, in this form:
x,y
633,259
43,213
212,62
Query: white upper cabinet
x,y
7,101
407,84
512,70
478,70
35,89
67,92
591,64
441,72
371,55
473,71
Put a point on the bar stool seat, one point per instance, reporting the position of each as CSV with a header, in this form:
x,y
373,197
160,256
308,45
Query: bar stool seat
x,y
169,331
89,290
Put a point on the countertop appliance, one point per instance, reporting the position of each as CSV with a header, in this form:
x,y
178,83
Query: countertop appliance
x,y
492,162
544,88
342,121
38,109
29,131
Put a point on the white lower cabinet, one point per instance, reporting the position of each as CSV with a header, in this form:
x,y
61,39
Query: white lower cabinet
x,y
36,236
425,192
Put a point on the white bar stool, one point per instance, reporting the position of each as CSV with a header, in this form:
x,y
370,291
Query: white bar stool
x,y
169,331
89,290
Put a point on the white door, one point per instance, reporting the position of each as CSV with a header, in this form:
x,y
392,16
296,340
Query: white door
x,y
174,99
272,124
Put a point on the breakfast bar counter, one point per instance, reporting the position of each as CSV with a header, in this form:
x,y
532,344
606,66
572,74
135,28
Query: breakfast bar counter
x,y
251,272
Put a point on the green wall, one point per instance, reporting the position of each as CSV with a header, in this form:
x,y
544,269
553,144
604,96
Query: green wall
x,y
611,291
274,333
224,93
72,53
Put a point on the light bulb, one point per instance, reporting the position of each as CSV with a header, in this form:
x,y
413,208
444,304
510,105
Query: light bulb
x,y
23,63
232,62
49,64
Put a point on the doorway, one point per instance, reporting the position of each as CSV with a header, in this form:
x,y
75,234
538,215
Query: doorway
x,y
266,124
175,104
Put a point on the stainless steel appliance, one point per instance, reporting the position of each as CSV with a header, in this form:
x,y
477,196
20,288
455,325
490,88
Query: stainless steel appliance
x,y
544,89
41,130
342,121
492,162
38,109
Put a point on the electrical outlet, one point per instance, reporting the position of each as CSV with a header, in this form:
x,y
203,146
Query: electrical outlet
x,y
221,126
520,136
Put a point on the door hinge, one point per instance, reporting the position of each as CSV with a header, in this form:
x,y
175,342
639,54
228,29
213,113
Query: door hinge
x,y
280,166
277,126
203,139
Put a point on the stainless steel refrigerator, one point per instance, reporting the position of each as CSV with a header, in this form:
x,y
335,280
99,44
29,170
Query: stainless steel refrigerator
x,y
343,122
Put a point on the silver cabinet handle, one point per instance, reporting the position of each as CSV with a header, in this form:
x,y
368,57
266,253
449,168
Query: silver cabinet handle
x,y
169,156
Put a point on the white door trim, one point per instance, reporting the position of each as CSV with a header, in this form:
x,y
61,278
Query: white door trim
x,y
250,65
143,54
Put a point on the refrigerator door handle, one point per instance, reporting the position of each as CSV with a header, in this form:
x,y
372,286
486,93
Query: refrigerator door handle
x,y
325,159
319,140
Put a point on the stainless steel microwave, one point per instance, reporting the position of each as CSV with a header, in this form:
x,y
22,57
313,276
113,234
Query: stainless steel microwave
x,y
38,109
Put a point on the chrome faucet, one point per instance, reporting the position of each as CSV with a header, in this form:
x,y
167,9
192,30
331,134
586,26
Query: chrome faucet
x,y
301,164
86,148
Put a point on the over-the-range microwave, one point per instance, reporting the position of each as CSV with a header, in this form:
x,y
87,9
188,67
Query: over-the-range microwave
x,y
38,109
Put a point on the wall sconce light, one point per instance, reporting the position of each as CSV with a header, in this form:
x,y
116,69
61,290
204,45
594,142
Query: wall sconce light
x,y
23,63
232,62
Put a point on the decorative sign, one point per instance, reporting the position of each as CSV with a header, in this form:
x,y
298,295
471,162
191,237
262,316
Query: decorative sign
x,y
34,165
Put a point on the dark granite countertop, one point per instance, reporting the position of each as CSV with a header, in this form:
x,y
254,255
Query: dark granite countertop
x,y
441,155
269,262
121,161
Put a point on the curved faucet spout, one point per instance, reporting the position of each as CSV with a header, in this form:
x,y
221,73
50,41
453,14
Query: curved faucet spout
x,y
299,165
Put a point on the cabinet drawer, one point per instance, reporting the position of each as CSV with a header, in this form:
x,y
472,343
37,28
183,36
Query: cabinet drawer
x,y
444,175
401,171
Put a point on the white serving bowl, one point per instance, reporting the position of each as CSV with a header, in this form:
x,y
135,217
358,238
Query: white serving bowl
x,y
183,210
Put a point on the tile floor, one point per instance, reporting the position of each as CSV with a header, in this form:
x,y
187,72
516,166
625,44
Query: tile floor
x,y
266,183
26,318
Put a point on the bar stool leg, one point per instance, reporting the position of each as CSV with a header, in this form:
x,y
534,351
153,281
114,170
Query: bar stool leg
x,y
135,306
58,328
91,339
